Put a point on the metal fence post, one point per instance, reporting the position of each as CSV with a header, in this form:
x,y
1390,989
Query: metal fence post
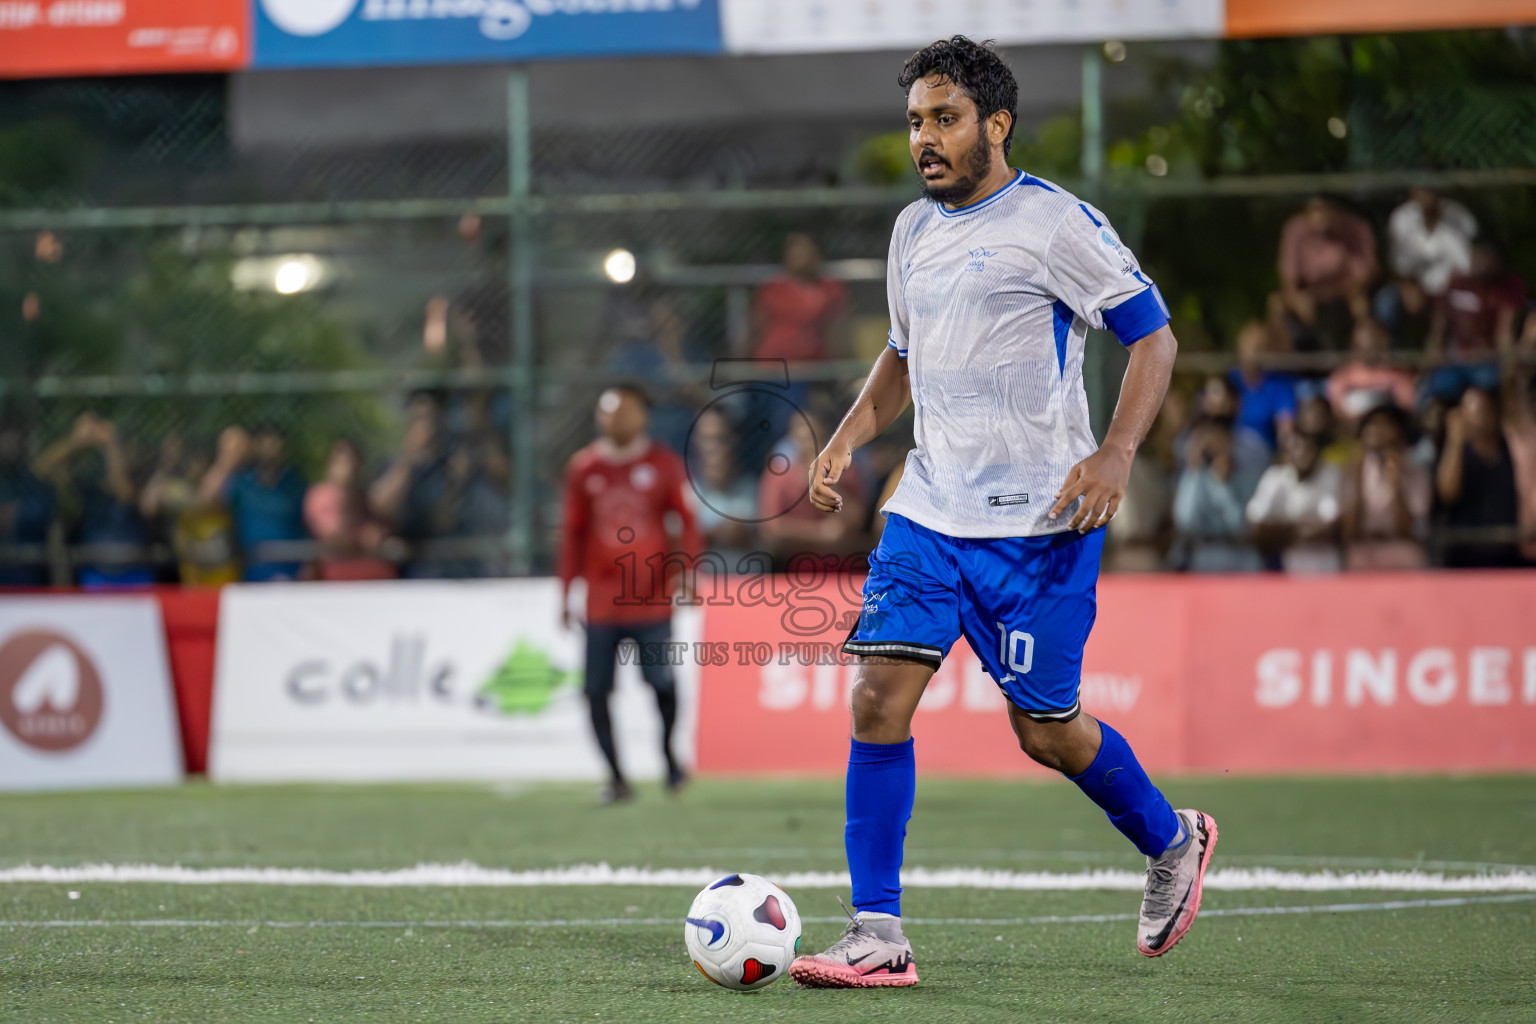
x,y
523,417
1095,365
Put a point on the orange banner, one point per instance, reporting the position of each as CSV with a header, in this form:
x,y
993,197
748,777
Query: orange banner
x,y
1248,18
1427,672
40,38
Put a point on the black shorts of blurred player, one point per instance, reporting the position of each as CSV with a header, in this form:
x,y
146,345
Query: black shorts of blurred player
x,y
652,655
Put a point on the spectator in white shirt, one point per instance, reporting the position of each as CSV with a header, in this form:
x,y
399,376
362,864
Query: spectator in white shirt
x,y
1295,509
1429,240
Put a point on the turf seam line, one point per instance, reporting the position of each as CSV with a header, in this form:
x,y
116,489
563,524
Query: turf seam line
x,y
468,875
608,922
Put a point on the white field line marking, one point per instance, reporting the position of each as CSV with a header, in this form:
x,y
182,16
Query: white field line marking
x,y
474,875
610,922
1111,857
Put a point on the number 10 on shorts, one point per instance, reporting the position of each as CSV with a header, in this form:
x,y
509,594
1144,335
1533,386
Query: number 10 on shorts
x,y
1008,648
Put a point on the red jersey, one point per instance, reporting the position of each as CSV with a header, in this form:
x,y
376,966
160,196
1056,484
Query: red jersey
x,y
627,523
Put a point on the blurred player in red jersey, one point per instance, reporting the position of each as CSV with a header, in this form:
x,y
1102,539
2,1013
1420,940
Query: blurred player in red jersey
x,y
628,532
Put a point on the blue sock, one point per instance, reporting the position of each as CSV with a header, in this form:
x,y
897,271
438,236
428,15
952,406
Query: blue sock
x,y
882,783
1116,782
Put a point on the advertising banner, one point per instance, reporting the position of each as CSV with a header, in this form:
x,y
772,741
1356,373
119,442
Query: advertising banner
x,y
803,26
1322,17
1416,673
774,690
417,681
85,694
340,33
40,38
1257,674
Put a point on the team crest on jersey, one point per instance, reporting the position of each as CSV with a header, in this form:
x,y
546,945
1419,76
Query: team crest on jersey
x,y
979,259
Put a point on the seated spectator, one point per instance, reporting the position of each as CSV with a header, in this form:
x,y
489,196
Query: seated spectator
x,y
441,488
1367,380
201,536
1219,397
1139,534
1314,417
1209,502
1266,402
1294,510
1474,323
790,524
1429,239
1386,497
92,470
1327,264
26,509
252,477
337,514
726,505
1475,483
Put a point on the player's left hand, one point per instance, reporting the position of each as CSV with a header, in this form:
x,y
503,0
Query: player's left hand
x,y
1100,480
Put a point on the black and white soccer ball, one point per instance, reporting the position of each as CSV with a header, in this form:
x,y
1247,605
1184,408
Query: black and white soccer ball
x,y
742,932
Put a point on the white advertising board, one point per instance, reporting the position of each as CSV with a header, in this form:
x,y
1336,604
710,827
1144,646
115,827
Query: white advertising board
x,y
419,681
802,26
85,694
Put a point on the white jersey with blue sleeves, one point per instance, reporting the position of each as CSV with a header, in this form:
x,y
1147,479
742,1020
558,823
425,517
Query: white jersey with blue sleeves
x,y
990,306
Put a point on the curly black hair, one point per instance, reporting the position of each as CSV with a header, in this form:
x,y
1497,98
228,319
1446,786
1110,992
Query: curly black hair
x,y
977,68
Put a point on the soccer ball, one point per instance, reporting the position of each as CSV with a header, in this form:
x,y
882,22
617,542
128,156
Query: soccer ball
x,y
742,932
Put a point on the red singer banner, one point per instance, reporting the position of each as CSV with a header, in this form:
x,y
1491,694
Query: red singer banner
x,y
41,38
1378,673
774,689
1256,674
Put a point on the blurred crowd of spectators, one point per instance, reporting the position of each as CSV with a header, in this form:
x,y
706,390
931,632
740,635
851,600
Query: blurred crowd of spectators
x,y
1415,447
1371,465
244,510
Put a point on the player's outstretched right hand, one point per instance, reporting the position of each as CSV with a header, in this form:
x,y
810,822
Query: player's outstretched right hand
x,y
826,472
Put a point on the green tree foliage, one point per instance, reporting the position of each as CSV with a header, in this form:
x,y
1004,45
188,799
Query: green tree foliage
x,y
143,304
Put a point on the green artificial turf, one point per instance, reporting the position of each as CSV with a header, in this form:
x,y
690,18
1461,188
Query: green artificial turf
x,y
260,953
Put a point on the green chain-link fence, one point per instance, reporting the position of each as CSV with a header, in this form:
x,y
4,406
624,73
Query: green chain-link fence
x,y
143,265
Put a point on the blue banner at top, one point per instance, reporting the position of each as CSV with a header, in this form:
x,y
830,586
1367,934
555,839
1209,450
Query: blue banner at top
x,y
343,33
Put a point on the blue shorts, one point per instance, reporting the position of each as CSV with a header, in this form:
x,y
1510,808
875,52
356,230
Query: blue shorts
x,y
1025,604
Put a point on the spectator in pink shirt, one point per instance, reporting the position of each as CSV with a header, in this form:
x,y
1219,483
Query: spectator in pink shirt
x,y
337,513
1327,264
1386,497
1368,380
